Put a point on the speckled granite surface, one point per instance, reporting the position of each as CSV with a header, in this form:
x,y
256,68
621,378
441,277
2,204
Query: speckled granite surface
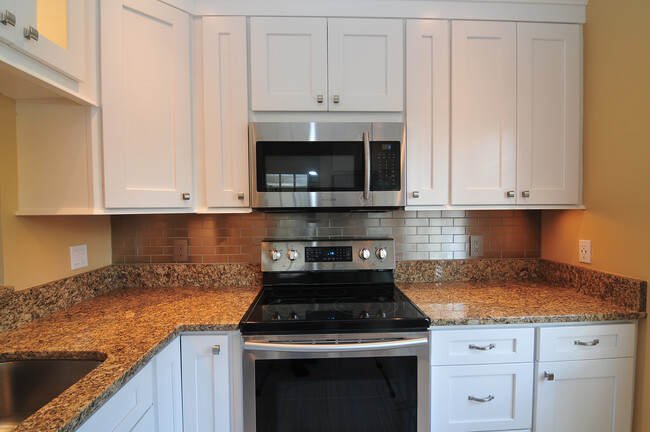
x,y
125,327
17,308
510,302
466,270
188,275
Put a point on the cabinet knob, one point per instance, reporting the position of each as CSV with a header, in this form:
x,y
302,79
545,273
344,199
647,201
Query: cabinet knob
x,y
319,98
216,350
550,376
336,99
525,194
7,17
510,194
240,195
186,196
30,33
416,194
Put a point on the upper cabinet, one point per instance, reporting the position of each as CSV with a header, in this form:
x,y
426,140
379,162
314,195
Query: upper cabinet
x,y
146,105
515,121
320,64
427,112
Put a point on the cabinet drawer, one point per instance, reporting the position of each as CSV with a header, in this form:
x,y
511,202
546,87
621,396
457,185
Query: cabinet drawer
x,y
480,346
481,397
586,342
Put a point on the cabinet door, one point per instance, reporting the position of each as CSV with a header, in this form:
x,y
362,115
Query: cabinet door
x,y
427,112
206,383
585,396
548,113
167,379
7,21
288,64
145,91
58,36
482,397
225,108
130,409
483,112
366,64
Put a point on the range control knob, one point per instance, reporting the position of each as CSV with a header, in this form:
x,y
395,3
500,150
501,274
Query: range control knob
x,y
292,255
381,253
364,254
275,255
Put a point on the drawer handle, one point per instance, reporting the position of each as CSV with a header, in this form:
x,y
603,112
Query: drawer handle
x,y
482,348
488,398
549,376
592,343
216,350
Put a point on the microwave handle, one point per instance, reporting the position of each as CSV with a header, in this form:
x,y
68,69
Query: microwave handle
x,y
366,160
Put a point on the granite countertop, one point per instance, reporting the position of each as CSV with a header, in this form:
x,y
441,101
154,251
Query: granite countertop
x,y
127,327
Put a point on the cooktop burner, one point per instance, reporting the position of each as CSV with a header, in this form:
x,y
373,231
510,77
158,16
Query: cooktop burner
x,y
313,299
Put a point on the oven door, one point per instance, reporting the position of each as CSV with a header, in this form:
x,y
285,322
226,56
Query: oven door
x,y
343,383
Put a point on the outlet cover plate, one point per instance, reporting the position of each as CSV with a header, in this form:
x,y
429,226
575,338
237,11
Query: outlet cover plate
x,y
180,250
476,245
584,251
78,257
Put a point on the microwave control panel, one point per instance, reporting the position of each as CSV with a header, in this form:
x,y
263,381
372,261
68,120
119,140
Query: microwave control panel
x,y
385,166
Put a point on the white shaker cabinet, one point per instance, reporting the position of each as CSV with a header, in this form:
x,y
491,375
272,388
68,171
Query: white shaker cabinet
x,y
483,112
515,113
320,64
52,32
223,158
146,105
211,382
584,378
548,113
427,112
131,409
167,388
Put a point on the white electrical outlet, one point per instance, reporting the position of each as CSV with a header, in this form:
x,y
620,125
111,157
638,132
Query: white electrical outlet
x,y
584,251
78,257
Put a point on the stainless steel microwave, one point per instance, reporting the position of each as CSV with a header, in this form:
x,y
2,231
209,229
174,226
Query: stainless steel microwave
x,y
327,166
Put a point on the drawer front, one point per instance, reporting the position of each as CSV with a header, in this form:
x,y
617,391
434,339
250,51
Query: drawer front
x,y
481,397
586,342
482,346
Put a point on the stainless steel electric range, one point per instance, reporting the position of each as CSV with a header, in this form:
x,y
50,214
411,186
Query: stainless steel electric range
x,y
331,343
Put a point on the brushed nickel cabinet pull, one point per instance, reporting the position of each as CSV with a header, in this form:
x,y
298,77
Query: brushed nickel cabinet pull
x,y
240,195
186,196
336,99
488,398
482,348
416,194
319,98
510,194
7,17
581,343
525,194
216,350
550,376
30,33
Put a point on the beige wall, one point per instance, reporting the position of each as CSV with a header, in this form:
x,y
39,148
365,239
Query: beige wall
x,y
616,161
36,250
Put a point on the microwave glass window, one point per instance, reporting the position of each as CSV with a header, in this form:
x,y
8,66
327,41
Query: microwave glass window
x,y
309,166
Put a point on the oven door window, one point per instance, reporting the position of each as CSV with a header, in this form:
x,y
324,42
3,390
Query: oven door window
x,y
321,166
336,394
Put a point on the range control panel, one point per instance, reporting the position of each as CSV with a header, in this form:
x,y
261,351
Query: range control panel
x,y
328,255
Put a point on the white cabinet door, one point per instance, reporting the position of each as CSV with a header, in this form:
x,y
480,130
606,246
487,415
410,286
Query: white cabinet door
x,y
484,112
146,111
288,64
366,64
225,112
57,32
481,397
206,383
585,396
427,112
128,410
548,113
7,21
168,396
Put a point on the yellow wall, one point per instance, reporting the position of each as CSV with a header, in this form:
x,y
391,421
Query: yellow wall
x,y
36,249
616,162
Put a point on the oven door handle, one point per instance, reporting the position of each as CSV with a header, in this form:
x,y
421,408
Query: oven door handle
x,y
367,167
344,347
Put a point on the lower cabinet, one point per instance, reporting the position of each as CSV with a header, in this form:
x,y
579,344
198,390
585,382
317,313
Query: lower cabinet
x,y
210,395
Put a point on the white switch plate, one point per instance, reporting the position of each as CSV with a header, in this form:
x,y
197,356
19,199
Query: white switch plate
x,y
584,251
78,257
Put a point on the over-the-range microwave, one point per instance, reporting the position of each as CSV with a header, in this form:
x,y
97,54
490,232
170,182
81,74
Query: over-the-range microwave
x,y
327,166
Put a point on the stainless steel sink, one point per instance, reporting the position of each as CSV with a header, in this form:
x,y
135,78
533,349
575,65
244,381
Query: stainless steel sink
x,y
27,385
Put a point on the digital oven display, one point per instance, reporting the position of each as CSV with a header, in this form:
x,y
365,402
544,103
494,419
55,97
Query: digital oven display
x,y
328,254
